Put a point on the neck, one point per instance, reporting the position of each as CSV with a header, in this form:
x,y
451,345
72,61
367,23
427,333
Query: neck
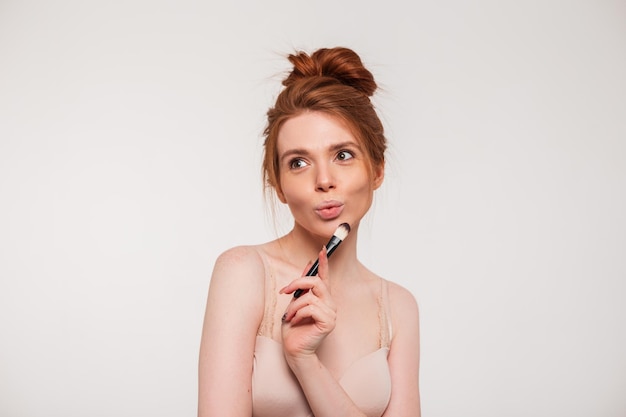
x,y
300,246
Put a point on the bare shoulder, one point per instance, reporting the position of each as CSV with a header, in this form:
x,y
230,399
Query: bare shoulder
x,y
239,275
404,354
239,257
399,295
403,304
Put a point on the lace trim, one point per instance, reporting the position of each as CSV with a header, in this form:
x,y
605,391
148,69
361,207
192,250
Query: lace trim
x,y
383,315
266,328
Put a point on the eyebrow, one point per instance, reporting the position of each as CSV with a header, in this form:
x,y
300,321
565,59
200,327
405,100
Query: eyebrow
x,y
333,148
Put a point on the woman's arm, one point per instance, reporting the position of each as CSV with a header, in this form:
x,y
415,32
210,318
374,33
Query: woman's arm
x,y
326,396
307,322
404,354
233,313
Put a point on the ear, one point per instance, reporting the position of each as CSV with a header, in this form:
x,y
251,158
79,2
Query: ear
x,y
379,176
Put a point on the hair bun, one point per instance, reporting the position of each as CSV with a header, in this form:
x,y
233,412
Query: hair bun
x,y
340,63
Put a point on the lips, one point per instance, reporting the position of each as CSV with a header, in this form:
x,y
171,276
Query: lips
x,y
329,210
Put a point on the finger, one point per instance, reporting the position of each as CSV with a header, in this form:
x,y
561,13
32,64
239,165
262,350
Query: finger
x,y
317,294
299,303
322,271
306,284
288,289
323,316
297,293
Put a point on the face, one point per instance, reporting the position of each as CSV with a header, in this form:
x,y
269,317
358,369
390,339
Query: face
x,y
325,174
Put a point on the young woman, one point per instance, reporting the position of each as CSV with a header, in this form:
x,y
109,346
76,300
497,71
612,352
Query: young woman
x,y
349,345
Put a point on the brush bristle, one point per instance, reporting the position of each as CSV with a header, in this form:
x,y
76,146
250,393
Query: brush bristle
x,y
342,231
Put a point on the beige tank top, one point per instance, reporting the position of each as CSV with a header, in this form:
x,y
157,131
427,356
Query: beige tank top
x,y
276,391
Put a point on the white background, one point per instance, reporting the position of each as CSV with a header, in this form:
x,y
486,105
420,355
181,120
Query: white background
x,y
130,147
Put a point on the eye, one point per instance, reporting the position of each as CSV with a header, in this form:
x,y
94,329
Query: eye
x,y
297,163
344,155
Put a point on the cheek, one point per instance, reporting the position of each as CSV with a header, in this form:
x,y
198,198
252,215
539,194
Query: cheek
x,y
292,193
362,182
362,190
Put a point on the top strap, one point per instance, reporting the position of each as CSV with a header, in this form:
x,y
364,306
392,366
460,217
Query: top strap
x,y
384,314
266,328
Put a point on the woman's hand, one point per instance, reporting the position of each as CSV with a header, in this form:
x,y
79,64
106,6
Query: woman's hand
x,y
311,317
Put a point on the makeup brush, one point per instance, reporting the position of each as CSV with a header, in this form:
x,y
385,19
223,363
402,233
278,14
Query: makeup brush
x,y
340,234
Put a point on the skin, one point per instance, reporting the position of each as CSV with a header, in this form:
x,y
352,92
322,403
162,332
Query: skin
x,y
336,321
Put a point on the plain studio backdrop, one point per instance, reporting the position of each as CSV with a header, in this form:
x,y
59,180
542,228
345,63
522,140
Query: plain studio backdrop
x,y
130,150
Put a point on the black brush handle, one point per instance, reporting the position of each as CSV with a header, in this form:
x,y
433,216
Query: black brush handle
x,y
330,248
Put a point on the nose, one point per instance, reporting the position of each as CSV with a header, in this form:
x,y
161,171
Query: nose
x,y
324,180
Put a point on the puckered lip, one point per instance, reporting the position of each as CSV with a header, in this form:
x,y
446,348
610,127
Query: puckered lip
x,y
329,209
328,204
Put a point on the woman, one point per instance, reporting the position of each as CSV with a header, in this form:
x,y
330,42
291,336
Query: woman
x,y
349,345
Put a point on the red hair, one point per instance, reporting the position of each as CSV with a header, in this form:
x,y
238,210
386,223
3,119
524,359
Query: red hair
x,y
332,81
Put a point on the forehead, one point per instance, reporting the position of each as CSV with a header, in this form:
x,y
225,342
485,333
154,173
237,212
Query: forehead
x,y
313,130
